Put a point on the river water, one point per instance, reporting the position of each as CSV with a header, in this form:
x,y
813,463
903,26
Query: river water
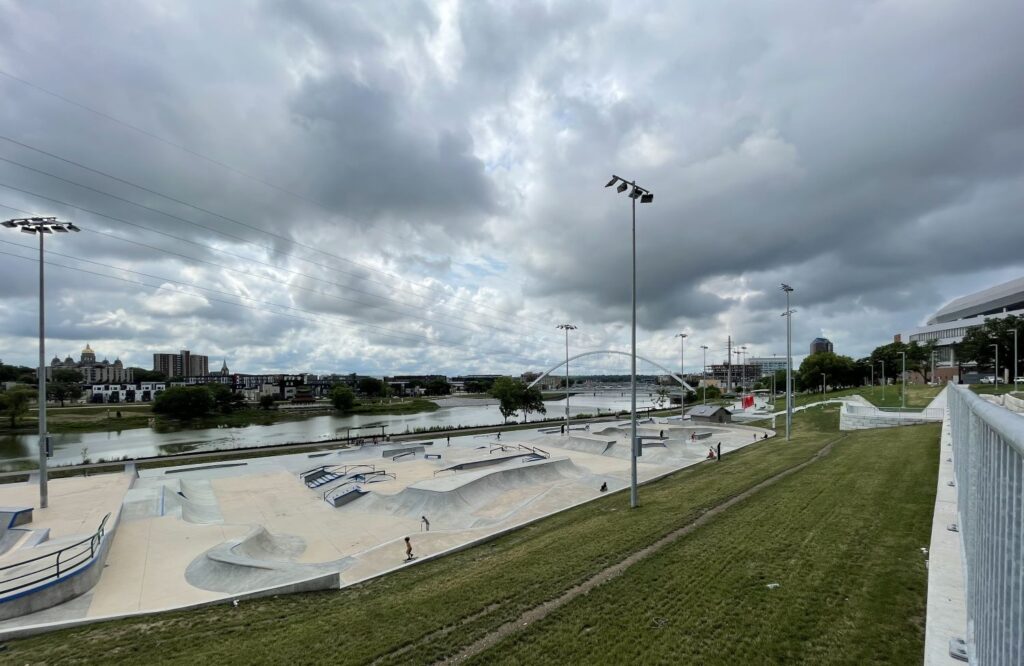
x,y
72,448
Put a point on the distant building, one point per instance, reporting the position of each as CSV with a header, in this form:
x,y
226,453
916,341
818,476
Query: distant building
x,y
182,364
769,364
819,345
950,324
709,414
92,371
130,392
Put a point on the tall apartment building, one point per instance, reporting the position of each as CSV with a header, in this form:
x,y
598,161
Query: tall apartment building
x,y
182,364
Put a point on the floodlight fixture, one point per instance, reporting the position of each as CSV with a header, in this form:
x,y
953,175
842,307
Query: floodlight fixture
x,y
60,228
10,224
785,287
72,227
45,230
28,230
647,198
622,188
611,182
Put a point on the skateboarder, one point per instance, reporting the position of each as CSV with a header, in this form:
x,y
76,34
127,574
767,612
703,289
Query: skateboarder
x,y
426,523
604,487
408,549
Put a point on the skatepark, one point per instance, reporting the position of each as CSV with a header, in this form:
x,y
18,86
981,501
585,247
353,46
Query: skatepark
x,y
177,537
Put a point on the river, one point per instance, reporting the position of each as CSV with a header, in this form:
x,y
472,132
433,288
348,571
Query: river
x,y
73,448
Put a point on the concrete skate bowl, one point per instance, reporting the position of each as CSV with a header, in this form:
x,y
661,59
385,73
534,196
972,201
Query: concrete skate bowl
x,y
256,561
194,501
474,499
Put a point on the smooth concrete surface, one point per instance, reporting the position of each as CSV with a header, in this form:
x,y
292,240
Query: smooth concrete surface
x,y
262,528
946,611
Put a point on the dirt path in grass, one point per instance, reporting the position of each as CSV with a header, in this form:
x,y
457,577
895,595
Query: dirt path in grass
x,y
538,613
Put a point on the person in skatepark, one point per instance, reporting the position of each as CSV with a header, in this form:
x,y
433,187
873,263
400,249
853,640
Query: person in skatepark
x,y
408,549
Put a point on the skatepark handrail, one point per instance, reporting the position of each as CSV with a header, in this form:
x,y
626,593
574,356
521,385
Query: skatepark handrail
x,y
329,493
86,550
344,469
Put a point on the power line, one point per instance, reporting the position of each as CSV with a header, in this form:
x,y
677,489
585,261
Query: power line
x,y
315,318
211,161
250,260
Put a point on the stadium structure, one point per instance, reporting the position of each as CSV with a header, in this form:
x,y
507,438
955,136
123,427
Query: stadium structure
x,y
949,325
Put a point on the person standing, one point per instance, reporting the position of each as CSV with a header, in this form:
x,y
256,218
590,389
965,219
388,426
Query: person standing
x,y
426,523
720,451
408,549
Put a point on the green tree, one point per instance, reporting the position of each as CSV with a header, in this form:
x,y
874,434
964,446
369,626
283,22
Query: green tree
x,y
224,398
65,385
14,404
143,375
508,393
838,370
531,400
976,345
184,402
373,387
267,401
438,386
342,398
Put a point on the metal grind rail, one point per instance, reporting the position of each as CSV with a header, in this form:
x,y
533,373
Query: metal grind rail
x,y
52,565
988,463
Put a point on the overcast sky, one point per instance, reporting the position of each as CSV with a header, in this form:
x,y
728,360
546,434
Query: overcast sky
x,y
403,187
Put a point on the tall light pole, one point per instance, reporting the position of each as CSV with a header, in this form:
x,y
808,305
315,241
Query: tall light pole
x,y
996,347
933,367
41,226
645,196
682,373
704,374
743,365
567,328
788,314
1016,368
903,382
823,385
883,381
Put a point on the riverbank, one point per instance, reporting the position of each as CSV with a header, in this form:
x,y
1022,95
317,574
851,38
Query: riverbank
x,y
116,418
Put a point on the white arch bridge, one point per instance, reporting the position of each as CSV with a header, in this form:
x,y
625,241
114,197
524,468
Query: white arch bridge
x,y
620,353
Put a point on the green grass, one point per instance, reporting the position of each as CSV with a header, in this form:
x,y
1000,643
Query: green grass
x,y
479,589
414,406
842,538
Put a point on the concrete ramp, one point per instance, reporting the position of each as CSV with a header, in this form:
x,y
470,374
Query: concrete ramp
x,y
451,501
258,560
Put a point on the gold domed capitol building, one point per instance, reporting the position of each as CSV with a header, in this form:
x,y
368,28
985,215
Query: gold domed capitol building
x,y
93,371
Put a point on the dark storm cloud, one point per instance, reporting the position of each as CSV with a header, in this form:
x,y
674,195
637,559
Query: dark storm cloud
x,y
869,153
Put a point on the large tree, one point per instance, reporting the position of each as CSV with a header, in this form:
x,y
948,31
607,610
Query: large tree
x,y
508,393
531,400
977,343
838,370
65,384
14,404
342,397
184,402
373,387
437,386
143,375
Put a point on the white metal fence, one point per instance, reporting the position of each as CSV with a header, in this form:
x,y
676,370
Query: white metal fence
x,y
988,461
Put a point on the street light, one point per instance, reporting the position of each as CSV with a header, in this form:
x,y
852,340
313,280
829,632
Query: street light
x,y
823,386
682,372
788,314
645,196
704,374
41,226
883,381
1016,368
903,382
743,365
567,328
996,384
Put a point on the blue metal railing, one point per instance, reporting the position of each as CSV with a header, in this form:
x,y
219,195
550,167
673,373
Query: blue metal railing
x,y
53,565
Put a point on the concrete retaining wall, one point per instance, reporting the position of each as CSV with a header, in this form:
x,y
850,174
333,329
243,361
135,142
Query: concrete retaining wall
x,y
58,590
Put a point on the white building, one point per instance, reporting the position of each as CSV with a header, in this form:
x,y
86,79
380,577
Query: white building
x,y
118,393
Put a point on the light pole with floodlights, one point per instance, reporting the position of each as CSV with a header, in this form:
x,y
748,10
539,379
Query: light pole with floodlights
x,y
788,314
567,328
645,196
1016,368
823,386
883,381
41,226
682,372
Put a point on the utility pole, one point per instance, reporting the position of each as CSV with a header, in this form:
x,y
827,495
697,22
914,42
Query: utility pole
x,y
728,365
682,373
566,328
41,226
